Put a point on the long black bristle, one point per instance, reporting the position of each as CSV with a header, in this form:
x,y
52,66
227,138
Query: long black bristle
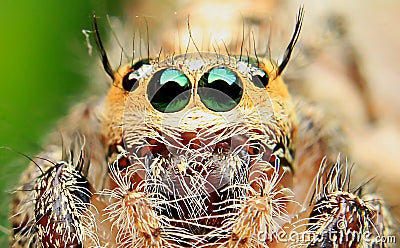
x,y
293,41
102,51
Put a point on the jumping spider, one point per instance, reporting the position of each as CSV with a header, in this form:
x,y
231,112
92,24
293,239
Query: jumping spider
x,y
195,149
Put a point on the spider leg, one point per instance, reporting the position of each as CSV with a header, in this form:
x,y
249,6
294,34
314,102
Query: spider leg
x,y
338,216
54,207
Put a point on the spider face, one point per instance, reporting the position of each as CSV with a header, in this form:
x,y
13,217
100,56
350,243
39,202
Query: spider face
x,y
199,133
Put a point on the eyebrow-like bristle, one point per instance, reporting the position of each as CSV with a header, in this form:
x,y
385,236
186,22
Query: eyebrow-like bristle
x,y
100,47
293,41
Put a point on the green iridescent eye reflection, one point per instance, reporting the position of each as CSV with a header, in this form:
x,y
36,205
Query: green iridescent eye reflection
x,y
169,90
220,89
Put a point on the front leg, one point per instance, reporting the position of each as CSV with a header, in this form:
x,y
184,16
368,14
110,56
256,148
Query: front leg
x,y
55,192
54,203
342,217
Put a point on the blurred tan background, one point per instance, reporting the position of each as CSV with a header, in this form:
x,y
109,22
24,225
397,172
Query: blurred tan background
x,y
45,63
374,33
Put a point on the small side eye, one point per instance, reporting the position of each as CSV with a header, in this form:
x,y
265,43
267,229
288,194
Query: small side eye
x,y
169,90
260,78
220,89
130,81
140,63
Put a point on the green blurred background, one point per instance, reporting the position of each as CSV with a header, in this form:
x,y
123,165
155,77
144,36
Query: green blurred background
x,y
42,53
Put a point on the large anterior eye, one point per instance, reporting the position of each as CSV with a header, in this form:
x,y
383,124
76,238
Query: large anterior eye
x,y
220,89
169,90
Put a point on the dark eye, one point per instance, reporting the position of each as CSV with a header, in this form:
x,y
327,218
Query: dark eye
x,y
260,78
169,90
130,81
140,63
220,89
